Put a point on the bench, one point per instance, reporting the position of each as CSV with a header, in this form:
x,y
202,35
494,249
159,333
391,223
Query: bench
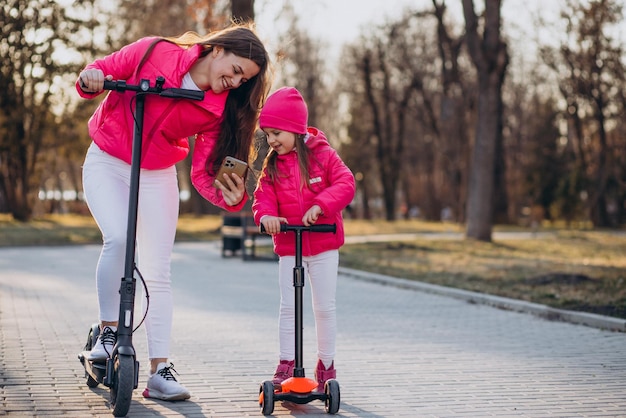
x,y
240,233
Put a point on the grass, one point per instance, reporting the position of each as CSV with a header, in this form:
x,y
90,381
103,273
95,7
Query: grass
x,y
75,229
573,269
584,271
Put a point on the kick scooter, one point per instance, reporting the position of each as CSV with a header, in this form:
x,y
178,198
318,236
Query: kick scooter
x,y
120,372
299,389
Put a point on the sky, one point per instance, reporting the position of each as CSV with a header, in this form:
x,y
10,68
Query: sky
x,y
339,21
334,19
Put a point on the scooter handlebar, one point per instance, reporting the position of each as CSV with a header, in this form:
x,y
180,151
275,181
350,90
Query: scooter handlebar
x,y
144,87
183,94
311,228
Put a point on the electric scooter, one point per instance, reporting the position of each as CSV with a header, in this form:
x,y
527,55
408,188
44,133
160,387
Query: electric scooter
x,y
120,372
299,389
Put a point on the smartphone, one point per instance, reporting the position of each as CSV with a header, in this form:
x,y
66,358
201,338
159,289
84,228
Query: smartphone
x,y
232,165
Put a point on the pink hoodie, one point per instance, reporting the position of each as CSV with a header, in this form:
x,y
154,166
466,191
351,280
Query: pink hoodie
x,y
332,187
167,122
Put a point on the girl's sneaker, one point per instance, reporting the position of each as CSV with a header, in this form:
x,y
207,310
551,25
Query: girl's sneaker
x,y
283,372
104,345
163,385
322,374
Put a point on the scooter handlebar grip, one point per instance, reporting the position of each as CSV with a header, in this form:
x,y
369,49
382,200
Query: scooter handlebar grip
x,y
183,94
324,228
119,85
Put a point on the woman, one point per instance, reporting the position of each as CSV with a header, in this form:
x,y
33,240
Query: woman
x,y
231,66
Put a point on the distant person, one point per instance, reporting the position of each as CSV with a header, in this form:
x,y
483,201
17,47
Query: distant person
x,y
231,67
303,182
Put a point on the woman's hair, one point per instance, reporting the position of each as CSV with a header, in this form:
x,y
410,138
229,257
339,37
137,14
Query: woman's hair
x,y
304,154
244,103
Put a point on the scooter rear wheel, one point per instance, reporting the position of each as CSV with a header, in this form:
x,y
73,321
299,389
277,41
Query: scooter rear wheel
x,y
333,397
123,384
91,382
92,337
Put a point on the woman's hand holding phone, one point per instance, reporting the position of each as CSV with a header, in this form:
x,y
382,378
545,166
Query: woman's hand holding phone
x,y
232,191
230,180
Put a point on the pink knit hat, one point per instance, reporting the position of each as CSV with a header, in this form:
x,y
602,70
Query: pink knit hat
x,y
286,110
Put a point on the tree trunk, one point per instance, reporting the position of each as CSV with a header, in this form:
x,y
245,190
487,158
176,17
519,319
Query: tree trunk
x,y
452,125
242,10
489,55
481,178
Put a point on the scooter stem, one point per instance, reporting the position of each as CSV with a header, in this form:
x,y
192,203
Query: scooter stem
x,y
128,285
298,284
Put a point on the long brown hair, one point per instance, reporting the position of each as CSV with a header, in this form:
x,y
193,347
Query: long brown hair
x,y
244,103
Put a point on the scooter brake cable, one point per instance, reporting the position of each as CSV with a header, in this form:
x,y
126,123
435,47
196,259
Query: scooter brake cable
x,y
145,287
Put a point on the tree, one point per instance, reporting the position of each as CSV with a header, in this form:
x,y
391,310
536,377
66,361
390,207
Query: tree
x,y
535,161
591,80
456,104
489,55
392,77
167,18
32,33
409,126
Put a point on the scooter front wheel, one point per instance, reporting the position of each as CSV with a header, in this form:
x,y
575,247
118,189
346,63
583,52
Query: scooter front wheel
x,y
123,384
266,397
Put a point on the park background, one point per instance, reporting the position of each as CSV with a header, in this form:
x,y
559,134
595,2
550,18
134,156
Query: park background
x,y
467,115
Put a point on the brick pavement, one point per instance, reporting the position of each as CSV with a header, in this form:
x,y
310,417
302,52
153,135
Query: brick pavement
x,y
401,352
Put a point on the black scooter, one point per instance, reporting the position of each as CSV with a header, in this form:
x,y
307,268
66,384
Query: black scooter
x,y
121,371
299,389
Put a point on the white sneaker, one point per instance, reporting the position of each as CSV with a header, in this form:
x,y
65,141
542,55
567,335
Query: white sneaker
x,y
163,385
104,345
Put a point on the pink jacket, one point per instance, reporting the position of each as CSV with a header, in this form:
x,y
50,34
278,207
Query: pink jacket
x,y
167,122
332,188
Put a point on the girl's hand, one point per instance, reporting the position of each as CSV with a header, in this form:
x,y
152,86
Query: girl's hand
x,y
272,224
92,80
311,215
232,190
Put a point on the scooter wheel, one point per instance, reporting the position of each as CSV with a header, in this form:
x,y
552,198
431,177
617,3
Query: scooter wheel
x,y
123,384
91,382
92,337
333,397
266,397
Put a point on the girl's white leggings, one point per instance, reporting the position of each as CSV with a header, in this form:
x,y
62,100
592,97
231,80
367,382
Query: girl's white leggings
x,y
106,183
321,270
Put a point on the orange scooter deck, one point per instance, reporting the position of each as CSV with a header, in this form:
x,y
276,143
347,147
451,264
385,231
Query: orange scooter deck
x,y
298,385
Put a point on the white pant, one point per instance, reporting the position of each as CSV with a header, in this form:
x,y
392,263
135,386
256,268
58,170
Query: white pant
x,y
321,269
106,183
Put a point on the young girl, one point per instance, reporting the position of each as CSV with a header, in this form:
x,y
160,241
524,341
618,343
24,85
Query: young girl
x,y
304,181
231,67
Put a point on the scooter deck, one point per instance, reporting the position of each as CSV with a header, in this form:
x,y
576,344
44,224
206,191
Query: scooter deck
x,y
298,390
96,369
